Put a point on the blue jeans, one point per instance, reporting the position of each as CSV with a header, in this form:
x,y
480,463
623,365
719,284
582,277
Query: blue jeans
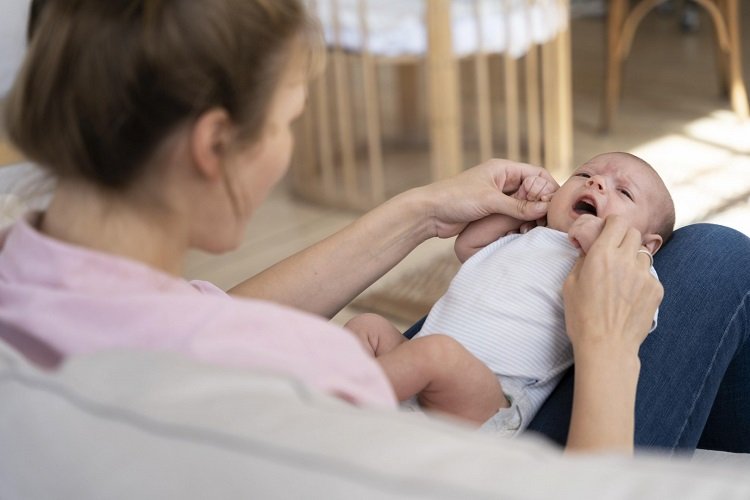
x,y
694,385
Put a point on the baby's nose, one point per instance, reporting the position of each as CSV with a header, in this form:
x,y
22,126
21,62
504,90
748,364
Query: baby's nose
x,y
596,182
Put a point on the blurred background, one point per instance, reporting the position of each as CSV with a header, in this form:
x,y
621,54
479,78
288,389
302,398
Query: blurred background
x,y
415,90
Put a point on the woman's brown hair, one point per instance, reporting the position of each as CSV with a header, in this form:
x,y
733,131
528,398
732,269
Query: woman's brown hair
x,y
104,82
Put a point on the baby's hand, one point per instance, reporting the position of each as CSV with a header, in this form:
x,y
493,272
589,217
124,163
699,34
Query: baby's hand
x,y
534,189
482,232
584,231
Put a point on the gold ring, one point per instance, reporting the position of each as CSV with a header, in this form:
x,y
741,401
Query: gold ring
x,y
650,257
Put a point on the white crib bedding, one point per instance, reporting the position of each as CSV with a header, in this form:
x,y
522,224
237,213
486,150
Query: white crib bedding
x,y
398,27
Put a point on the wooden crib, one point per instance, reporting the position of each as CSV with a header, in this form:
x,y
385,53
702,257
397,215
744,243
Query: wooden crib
x,y
378,123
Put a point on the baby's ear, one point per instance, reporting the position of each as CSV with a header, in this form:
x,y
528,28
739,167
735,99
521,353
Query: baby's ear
x,y
652,242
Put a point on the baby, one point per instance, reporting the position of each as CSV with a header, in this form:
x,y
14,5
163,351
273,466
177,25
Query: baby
x,y
494,345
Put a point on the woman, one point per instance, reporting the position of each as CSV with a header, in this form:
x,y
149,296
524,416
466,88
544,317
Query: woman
x,y
166,124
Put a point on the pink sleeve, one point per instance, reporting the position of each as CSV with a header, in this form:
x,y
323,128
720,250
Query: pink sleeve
x,y
208,288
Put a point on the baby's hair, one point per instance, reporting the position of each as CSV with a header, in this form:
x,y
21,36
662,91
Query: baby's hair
x,y
667,222
105,82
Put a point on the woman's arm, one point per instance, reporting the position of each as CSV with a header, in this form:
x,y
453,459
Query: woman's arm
x,y
610,300
326,276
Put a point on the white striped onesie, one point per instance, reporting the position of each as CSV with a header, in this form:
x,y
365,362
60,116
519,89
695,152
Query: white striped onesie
x,y
505,306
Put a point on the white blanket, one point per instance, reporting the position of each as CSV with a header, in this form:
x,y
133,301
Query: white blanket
x,y
398,27
123,425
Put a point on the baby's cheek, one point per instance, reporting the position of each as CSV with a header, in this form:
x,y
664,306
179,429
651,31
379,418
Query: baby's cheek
x,y
556,219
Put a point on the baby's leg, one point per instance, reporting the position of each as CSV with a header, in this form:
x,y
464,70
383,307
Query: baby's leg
x,y
377,334
445,377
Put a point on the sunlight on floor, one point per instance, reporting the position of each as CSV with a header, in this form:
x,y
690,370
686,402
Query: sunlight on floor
x,y
723,129
707,169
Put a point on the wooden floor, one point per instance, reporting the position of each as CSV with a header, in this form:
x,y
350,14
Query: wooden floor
x,y
671,114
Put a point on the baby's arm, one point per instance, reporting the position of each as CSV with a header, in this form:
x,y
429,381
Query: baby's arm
x,y
482,232
584,231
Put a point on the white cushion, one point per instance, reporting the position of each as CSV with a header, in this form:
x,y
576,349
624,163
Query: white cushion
x,y
147,425
12,40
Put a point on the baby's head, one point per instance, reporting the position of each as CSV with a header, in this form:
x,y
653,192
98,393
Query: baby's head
x,y
616,184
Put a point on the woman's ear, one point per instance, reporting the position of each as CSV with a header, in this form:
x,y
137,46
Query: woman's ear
x,y
210,139
652,242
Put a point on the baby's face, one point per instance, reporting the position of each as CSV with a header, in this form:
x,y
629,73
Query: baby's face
x,y
608,184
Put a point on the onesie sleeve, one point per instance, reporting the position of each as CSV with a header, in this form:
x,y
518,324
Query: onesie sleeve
x,y
656,313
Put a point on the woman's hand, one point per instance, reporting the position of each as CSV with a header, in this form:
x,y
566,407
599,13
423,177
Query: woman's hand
x,y
480,233
481,191
584,231
610,295
610,300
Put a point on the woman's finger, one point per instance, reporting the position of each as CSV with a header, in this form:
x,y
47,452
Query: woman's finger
x,y
645,256
612,235
632,241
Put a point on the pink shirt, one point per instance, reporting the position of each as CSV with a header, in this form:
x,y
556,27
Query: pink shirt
x,y
82,301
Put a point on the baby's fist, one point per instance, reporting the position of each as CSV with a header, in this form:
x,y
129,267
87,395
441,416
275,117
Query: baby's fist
x,y
535,189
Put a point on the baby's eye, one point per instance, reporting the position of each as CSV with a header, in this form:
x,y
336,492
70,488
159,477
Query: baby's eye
x,y
583,174
627,193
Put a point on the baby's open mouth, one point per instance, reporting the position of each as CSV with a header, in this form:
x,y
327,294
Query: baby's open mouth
x,y
584,207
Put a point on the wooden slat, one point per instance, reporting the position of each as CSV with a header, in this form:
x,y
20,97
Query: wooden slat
x,y
558,121
343,110
533,108
372,111
445,117
408,99
550,80
324,141
484,121
565,97
512,113
306,163
325,149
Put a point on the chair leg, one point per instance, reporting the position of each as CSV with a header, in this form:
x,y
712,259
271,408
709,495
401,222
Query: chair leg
x,y
738,92
725,16
614,59
722,57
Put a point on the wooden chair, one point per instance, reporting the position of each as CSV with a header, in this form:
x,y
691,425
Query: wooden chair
x,y
623,20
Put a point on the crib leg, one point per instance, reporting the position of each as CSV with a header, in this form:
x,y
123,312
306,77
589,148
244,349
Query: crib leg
x,y
445,114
